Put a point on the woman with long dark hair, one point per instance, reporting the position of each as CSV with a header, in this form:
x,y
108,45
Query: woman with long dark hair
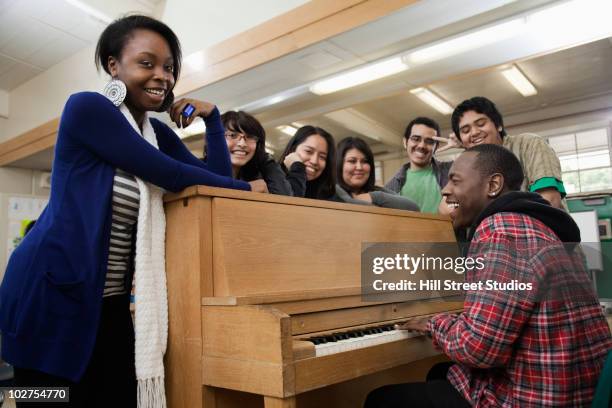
x,y
64,300
246,142
309,161
355,171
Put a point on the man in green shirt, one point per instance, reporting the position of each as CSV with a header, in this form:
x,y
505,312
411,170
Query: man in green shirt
x,y
477,121
423,177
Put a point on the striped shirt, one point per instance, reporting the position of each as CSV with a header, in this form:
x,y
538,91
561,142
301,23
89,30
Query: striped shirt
x,y
126,200
538,159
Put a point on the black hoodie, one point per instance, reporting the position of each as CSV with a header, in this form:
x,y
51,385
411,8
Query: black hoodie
x,y
535,206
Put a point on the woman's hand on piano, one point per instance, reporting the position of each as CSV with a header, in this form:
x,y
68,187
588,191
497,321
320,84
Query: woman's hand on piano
x,y
259,186
418,325
363,197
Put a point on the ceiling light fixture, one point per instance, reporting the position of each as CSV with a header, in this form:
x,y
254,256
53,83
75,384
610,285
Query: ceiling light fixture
x,y
195,61
432,100
466,42
270,148
286,129
519,81
359,76
198,127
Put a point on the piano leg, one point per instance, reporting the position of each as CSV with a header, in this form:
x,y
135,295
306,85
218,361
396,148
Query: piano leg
x,y
273,402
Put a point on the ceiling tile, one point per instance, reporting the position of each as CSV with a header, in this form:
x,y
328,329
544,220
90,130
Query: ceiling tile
x,y
6,63
57,50
88,29
11,24
30,38
17,75
35,8
63,16
6,5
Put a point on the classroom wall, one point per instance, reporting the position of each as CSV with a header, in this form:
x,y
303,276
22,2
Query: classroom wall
x,y
22,181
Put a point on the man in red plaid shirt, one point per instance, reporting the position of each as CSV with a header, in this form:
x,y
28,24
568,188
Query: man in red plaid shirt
x,y
543,347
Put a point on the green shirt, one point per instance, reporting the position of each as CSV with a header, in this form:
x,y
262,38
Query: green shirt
x,y
422,187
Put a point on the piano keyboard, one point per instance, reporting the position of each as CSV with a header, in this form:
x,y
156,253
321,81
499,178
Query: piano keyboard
x,y
362,338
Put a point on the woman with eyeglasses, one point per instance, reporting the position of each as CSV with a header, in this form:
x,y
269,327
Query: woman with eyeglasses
x,y
309,161
423,177
246,142
356,177
65,296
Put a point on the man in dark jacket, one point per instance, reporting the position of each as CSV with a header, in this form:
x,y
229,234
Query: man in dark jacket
x,y
538,337
423,177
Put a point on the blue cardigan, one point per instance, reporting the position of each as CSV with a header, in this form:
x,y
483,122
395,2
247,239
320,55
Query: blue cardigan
x,y
51,295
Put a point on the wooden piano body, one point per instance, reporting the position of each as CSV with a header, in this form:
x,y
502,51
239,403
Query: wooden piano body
x,y
251,276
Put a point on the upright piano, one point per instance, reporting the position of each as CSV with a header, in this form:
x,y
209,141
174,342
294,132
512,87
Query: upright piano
x,y
265,305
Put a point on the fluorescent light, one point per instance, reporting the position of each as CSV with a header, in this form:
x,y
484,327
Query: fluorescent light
x,y
359,76
195,61
90,11
285,95
467,42
432,100
519,81
196,128
270,148
288,130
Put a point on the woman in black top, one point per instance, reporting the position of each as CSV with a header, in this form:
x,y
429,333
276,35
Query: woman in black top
x,y
246,142
309,161
355,171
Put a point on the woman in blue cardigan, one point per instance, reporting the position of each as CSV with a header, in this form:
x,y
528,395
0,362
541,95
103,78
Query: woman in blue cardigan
x,y
64,300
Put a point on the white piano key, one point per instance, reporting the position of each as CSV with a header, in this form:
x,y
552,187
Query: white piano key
x,y
368,340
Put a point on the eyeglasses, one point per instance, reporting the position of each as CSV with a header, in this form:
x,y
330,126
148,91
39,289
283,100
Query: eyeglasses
x,y
417,139
235,136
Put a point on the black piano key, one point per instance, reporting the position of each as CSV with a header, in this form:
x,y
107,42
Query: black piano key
x,y
330,339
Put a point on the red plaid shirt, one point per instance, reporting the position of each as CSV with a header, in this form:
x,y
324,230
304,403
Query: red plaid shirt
x,y
516,350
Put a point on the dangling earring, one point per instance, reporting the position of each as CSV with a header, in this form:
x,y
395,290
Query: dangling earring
x,y
115,91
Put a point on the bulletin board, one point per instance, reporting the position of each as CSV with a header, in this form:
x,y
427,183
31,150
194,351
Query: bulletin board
x,y
16,212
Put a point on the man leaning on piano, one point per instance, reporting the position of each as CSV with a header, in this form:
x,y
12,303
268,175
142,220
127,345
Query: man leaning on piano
x,y
508,348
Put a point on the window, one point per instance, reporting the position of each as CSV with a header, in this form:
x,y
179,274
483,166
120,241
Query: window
x,y
585,158
378,173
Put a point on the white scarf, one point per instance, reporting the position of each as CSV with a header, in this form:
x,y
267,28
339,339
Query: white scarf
x,y
151,322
